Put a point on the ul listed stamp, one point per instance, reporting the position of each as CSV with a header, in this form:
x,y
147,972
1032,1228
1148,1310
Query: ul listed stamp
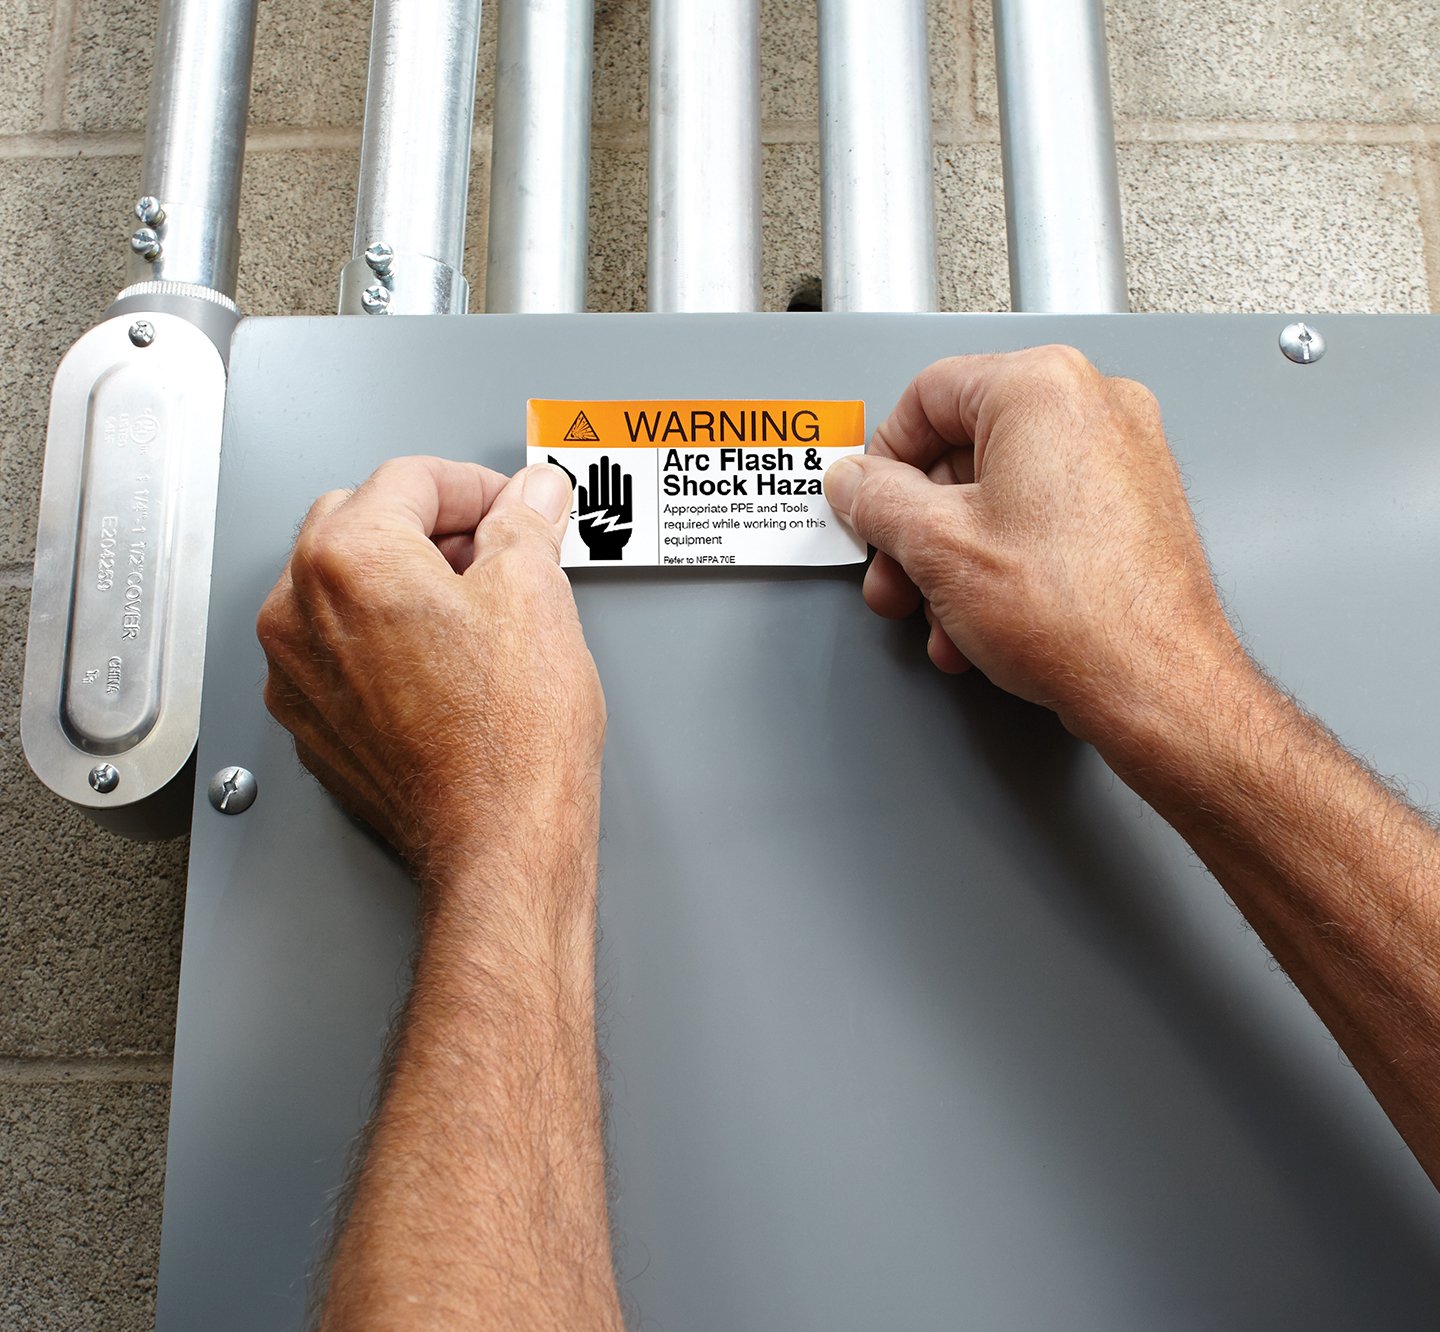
x,y
722,482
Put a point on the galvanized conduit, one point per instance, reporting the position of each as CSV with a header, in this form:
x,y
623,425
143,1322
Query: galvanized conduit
x,y
195,145
540,157
704,155
1062,192
877,204
1062,196
409,249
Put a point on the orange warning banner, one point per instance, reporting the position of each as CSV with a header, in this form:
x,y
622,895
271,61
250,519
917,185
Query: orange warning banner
x,y
701,424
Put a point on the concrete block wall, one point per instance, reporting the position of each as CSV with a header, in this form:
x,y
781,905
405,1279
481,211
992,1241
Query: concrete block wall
x,y
1274,156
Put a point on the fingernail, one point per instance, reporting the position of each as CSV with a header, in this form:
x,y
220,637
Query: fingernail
x,y
547,491
842,480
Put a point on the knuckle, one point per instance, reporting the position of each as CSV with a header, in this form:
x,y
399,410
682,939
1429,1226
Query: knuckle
x,y
305,550
390,473
1060,368
275,698
282,699
403,462
405,465
1045,381
310,760
322,561
281,629
1062,359
937,373
271,622
1136,399
398,466
323,505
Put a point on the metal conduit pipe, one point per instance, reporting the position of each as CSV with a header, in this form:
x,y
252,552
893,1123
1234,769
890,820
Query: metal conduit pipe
x,y
877,195
540,157
409,245
704,155
1062,192
195,145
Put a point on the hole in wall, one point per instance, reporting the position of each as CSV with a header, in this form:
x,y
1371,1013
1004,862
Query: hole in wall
x,y
805,295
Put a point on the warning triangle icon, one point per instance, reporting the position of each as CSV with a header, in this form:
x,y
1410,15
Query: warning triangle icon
x,y
581,431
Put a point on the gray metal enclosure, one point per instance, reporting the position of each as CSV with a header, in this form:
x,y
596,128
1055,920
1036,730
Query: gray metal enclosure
x,y
913,1016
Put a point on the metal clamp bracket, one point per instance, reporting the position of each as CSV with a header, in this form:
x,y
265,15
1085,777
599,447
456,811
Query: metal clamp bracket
x,y
412,283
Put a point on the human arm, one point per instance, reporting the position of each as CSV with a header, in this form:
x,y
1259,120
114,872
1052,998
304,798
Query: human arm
x,y
1031,506
425,651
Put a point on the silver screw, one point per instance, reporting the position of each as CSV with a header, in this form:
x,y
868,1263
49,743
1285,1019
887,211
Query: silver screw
x,y
381,259
1302,344
376,299
149,211
104,777
233,790
142,332
146,244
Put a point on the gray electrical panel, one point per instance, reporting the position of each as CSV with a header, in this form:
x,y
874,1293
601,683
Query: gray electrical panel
x,y
913,1016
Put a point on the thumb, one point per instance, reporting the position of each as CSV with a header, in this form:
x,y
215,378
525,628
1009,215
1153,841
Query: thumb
x,y
531,512
897,509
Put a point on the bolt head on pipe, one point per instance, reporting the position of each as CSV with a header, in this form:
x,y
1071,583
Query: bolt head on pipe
x,y
104,777
376,299
142,332
149,211
381,258
1302,344
146,244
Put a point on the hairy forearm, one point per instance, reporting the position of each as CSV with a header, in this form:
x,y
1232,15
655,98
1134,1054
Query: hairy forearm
x,y
481,1201
1339,877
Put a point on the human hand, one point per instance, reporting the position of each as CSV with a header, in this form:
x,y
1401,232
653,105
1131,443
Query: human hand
x,y
606,512
425,651
1032,505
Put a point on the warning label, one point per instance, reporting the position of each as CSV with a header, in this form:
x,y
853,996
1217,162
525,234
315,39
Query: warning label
x,y
699,483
